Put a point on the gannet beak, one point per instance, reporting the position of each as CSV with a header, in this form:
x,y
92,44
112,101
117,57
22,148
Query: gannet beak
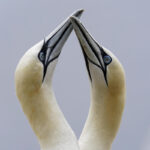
x,y
92,51
54,42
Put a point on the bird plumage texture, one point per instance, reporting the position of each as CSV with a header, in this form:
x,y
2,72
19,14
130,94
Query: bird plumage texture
x,y
107,80
33,79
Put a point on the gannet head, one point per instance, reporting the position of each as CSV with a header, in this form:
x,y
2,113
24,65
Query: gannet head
x,y
104,69
36,67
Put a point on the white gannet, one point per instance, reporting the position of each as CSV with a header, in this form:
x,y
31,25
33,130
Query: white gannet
x,y
33,80
108,92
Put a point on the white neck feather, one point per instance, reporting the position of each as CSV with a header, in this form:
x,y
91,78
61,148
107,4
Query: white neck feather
x,y
103,120
39,104
47,120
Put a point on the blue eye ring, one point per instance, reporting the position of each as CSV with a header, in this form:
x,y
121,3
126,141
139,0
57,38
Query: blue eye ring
x,y
42,56
107,59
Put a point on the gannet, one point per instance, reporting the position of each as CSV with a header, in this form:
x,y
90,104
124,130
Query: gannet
x,y
33,80
107,80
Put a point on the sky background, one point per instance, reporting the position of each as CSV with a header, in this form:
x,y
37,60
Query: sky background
x,y
121,26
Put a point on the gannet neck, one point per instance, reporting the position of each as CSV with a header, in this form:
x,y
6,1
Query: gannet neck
x,y
47,120
103,121
39,105
33,81
107,81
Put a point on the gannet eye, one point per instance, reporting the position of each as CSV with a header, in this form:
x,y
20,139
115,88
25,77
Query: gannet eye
x,y
42,56
107,59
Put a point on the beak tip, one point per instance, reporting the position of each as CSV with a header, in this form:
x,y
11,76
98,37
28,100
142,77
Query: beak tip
x,y
78,13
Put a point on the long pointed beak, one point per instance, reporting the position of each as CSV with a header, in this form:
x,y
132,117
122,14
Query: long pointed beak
x,y
54,42
88,44
92,51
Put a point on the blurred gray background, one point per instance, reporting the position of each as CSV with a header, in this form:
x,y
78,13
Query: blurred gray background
x,y
121,26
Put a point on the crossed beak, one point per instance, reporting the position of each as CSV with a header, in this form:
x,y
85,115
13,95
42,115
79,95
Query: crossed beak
x,y
54,42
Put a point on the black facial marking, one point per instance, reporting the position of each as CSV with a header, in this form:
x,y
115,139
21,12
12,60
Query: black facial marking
x,y
87,65
47,51
42,57
103,54
106,63
42,53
